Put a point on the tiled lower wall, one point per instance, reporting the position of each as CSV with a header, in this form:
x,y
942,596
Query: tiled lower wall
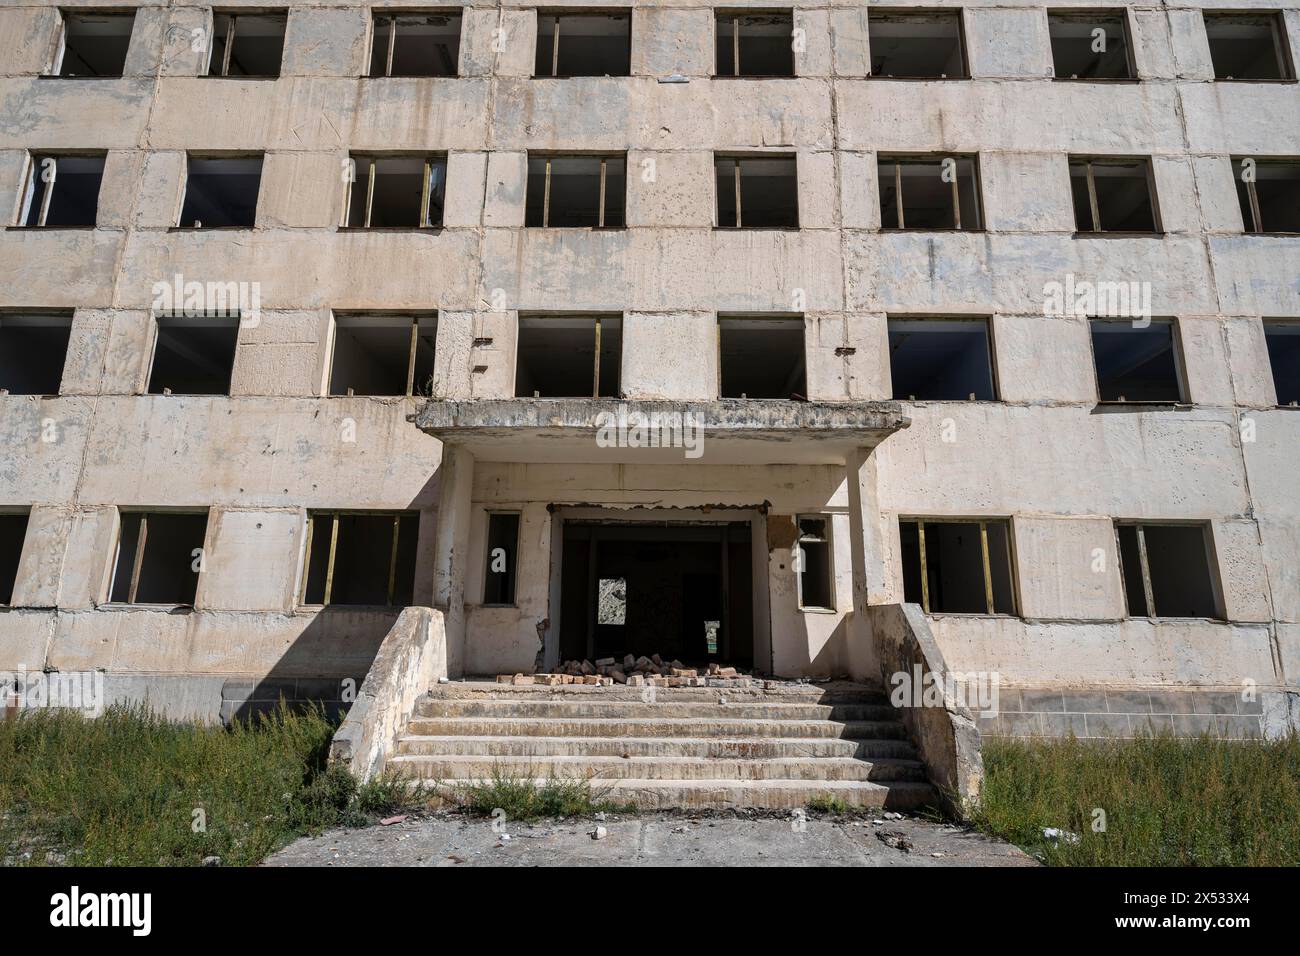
x,y
1123,713
247,699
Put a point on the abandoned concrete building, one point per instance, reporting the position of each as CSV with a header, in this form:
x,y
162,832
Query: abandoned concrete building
x,y
792,330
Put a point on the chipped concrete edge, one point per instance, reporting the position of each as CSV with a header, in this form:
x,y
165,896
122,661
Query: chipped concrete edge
x,y
411,659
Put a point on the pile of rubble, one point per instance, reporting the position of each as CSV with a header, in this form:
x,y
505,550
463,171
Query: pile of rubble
x,y
635,672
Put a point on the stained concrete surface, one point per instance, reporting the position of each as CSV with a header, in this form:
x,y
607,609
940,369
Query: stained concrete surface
x,y
654,840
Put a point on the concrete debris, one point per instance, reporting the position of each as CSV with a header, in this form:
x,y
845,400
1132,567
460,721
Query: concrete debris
x,y
896,839
635,672
599,833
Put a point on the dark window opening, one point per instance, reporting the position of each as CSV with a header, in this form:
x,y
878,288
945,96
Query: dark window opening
x,y
159,557
1113,195
396,192
247,44
576,192
584,44
755,44
1090,46
812,562
957,567
1248,46
940,192
221,191
62,191
33,349
502,552
1283,341
194,355
558,356
1135,363
426,44
1166,570
762,357
383,354
361,558
13,529
917,45
941,360
757,192
1269,193
94,44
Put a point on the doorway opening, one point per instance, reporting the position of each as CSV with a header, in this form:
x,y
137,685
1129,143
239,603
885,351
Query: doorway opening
x,y
680,590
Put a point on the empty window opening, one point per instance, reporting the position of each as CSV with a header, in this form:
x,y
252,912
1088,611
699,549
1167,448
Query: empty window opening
x,y
1113,195
1269,193
1283,341
1136,363
159,557
193,355
247,44
941,360
396,192
762,357
221,191
93,44
1091,46
422,44
812,563
576,191
1166,570
62,191
917,45
383,354
755,45
957,567
562,356
32,352
13,529
940,192
361,558
502,553
584,44
757,192
1248,46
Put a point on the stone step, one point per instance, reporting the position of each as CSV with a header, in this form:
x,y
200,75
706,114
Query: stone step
x,y
652,727
572,707
739,748
834,692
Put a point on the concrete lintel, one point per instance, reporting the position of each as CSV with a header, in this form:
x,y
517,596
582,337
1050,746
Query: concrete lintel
x,y
726,431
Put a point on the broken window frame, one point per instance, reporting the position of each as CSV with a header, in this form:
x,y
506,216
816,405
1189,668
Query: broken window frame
x,y
899,160
1094,213
61,43
826,538
35,161
1281,43
432,161
141,542
1130,55
513,571
393,20
334,514
559,14
986,562
595,376
737,159
1254,225
604,171
737,18
232,31
963,50
417,318
1144,567
1175,345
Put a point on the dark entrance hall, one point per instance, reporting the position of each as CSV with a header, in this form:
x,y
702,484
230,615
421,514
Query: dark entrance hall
x,y
675,589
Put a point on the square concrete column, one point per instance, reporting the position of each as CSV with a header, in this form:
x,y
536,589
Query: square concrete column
x,y
451,548
867,554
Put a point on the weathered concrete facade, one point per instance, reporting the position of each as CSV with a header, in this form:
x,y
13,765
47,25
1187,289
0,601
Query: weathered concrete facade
x,y
1044,455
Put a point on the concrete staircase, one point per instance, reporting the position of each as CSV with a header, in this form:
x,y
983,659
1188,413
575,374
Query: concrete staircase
x,y
687,747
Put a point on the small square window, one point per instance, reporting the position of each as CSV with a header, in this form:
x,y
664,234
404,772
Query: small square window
x,y
62,191
1135,362
221,192
250,45
33,348
591,43
939,192
383,354
755,44
1166,570
1269,193
1091,46
576,192
957,566
1283,341
1248,46
917,45
93,44
941,360
193,355
396,192
364,558
159,557
757,192
762,356
557,356
1113,195
415,44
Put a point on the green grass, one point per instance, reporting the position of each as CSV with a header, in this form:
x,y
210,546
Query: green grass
x,y
131,788
1167,802
829,803
521,797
